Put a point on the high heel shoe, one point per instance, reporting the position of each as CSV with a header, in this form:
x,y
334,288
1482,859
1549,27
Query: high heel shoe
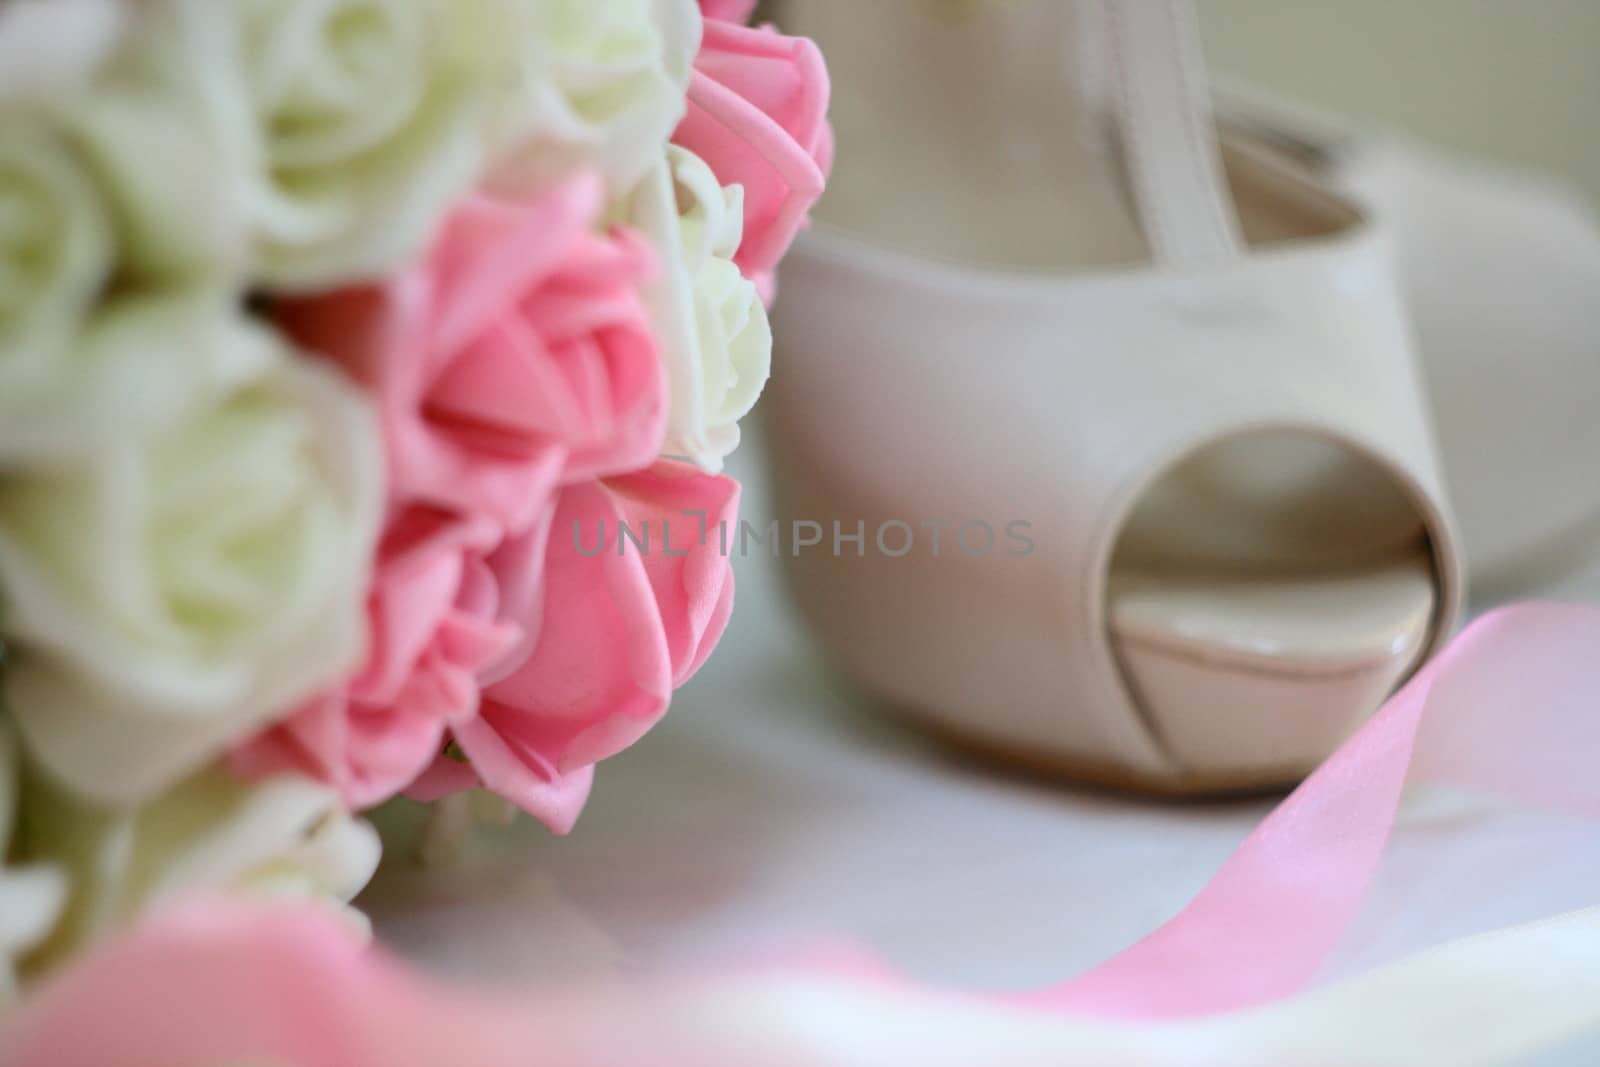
x,y
1116,427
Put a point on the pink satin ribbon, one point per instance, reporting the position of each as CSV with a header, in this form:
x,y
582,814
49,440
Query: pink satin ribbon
x,y
1512,706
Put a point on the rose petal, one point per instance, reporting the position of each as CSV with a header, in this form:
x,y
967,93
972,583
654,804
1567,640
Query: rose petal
x,y
636,591
434,625
517,358
757,114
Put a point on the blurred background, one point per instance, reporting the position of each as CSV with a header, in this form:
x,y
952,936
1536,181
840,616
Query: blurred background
x,y
1517,83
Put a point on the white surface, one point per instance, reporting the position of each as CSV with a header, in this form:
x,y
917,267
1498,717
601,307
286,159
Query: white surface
x,y
772,811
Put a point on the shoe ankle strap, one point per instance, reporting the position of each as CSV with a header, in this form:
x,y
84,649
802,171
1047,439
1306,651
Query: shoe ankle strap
x,y
1143,65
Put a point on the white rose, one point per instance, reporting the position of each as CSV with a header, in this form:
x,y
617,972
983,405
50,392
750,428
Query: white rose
x,y
284,837
709,318
361,121
121,241
171,592
31,896
596,82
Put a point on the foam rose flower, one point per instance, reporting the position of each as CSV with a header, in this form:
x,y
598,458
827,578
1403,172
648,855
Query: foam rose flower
x,y
439,618
283,838
516,357
710,319
359,122
604,85
637,588
32,895
170,593
120,244
758,115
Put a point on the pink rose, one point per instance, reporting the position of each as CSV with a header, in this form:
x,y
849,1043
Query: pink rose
x,y
728,10
757,114
439,612
637,589
516,358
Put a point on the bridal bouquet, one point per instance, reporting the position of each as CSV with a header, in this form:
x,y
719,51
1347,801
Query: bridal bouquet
x,y
351,352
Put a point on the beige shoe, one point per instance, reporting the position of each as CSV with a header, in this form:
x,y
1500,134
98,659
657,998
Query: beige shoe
x,y
1129,421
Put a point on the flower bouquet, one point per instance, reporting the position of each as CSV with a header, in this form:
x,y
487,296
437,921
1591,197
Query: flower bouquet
x,y
367,368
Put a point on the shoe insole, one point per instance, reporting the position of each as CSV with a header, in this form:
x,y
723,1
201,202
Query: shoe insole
x,y
1265,597
1251,679
1277,551
1360,617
